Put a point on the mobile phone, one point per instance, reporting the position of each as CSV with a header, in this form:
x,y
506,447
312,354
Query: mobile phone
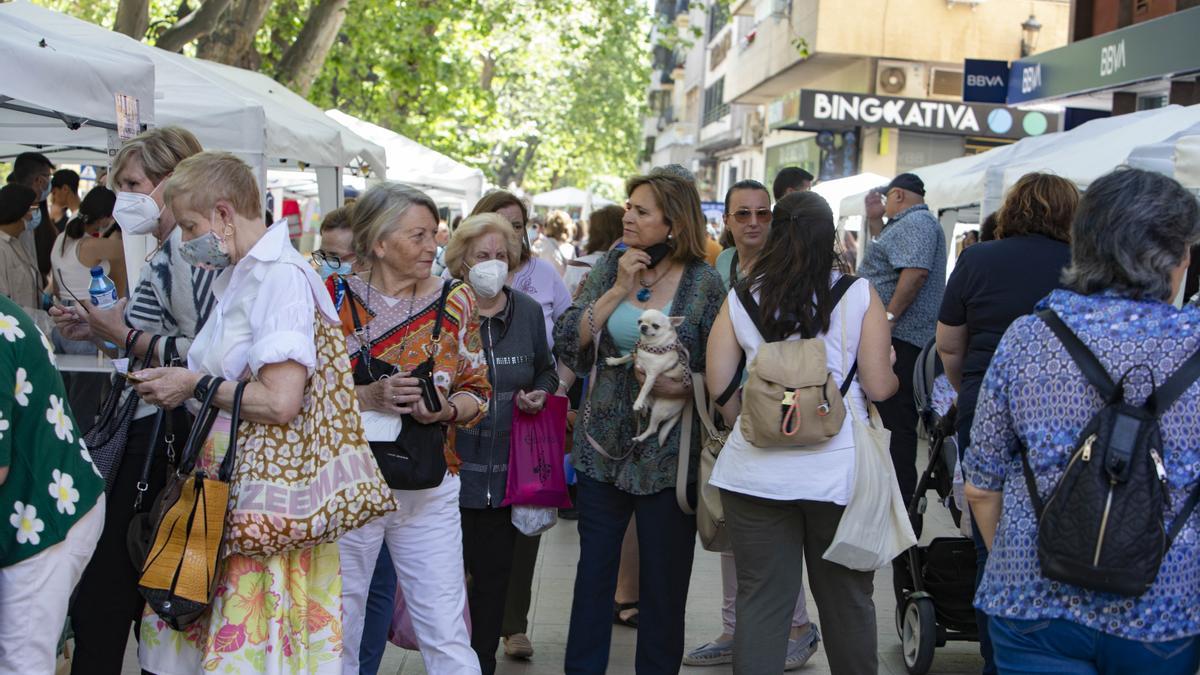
x,y
429,394
133,378
657,253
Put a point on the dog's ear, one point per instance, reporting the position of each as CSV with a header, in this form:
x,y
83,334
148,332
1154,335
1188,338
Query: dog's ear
x,y
676,321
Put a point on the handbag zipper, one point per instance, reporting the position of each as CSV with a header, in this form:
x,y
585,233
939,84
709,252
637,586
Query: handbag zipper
x,y
1084,452
1112,484
489,347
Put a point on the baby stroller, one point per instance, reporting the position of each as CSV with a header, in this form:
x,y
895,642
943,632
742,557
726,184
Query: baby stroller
x,y
935,583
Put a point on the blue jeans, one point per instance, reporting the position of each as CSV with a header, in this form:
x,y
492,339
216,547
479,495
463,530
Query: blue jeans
x,y
1067,648
666,544
381,604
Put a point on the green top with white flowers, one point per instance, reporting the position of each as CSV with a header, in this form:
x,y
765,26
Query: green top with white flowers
x,y
51,482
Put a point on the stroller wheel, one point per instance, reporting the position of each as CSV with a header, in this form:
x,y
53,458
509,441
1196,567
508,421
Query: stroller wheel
x,y
918,635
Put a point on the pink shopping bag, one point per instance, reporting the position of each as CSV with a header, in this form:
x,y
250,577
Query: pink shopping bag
x,y
535,459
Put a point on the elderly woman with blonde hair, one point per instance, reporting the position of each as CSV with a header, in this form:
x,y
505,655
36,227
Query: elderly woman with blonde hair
x,y
482,251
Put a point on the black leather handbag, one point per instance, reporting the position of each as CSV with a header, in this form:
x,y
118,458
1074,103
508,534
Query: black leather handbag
x,y
416,460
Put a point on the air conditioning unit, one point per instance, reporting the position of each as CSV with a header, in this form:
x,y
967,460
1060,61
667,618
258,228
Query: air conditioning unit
x,y
900,78
945,83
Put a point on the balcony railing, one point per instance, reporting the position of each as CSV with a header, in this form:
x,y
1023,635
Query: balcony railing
x,y
716,113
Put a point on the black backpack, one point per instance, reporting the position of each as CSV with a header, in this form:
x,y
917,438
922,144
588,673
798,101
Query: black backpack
x,y
1103,526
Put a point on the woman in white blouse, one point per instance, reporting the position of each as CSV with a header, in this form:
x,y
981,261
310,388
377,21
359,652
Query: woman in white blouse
x,y
261,331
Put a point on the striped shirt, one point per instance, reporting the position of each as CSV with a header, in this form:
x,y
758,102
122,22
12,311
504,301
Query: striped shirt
x,y
172,298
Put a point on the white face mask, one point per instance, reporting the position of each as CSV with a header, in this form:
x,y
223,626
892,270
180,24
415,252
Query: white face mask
x,y
136,213
488,277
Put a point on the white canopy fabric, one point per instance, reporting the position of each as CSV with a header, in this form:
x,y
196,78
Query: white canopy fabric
x,y
51,80
1177,156
227,108
298,130
569,197
411,163
1103,149
835,191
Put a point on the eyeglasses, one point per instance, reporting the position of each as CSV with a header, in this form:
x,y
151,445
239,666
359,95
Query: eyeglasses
x,y
327,258
743,216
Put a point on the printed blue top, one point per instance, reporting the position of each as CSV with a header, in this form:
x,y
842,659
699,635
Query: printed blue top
x,y
1034,392
913,239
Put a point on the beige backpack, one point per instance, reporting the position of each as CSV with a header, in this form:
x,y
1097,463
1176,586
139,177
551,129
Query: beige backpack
x,y
790,398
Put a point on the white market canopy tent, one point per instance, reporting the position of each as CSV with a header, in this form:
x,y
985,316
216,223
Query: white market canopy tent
x,y
1100,152
835,191
1080,155
1177,156
569,197
446,180
52,83
227,108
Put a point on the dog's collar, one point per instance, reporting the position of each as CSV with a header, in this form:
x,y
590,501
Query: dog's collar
x,y
673,347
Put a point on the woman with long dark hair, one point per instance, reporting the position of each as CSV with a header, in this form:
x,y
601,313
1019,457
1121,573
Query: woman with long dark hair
x,y
82,246
782,504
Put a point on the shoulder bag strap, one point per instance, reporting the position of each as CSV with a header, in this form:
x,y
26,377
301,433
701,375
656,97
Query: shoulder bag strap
x,y
1193,499
226,472
684,456
1083,357
1179,382
447,286
735,383
1030,481
143,483
200,428
836,294
597,334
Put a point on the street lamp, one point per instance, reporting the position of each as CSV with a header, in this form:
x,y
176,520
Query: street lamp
x,y
1029,35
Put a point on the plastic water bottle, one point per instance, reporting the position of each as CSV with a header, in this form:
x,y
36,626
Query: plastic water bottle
x,y
102,289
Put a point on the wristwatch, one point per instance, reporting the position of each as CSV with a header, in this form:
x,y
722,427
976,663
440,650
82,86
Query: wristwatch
x,y
201,390
891,317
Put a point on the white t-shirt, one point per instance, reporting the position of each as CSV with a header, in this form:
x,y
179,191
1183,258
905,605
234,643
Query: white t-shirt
x,y
823,472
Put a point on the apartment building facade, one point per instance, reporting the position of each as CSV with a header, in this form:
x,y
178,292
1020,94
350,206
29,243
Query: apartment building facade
x,y
756,84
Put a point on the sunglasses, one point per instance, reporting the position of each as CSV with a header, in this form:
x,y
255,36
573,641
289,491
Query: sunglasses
x,y
743,216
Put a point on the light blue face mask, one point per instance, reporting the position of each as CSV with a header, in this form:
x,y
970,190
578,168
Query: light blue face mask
x,y
45,194
328,270
34,221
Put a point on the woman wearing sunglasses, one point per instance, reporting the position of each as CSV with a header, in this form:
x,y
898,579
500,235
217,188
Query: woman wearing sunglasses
x,y
748,219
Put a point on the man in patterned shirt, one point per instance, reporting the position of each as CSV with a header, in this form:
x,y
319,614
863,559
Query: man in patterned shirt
x,y
907,267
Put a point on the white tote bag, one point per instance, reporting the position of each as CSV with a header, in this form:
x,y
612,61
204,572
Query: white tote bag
x,y
875,527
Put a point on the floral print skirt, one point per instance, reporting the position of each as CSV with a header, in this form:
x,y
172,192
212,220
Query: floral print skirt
x,y
274,615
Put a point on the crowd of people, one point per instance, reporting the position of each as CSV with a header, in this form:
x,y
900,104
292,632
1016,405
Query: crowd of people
x,y
440,336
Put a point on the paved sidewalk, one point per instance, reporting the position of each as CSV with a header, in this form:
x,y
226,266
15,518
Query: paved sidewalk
x,y
553,585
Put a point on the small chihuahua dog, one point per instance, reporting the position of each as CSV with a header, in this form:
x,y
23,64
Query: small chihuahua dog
x,y
659,354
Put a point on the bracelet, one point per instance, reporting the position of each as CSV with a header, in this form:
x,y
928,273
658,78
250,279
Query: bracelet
x,y
201,390
453,418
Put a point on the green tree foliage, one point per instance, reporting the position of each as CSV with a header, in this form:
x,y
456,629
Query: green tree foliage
x,y
537,93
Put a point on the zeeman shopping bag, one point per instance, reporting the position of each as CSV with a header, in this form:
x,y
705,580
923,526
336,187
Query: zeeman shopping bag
x,y
536,476
875,526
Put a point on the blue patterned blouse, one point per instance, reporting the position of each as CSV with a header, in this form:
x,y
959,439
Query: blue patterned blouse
x,y
1033,391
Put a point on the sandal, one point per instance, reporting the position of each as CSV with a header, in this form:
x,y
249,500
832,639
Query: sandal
x,y
632,621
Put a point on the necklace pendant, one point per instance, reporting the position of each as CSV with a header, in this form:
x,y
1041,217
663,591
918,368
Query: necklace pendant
x,y
643,295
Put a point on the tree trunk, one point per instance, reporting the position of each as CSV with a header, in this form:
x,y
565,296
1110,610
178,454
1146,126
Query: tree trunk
x,y
302,61
133,18
197,24
232,43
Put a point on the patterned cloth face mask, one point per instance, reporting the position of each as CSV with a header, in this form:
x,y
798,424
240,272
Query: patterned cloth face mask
x,y
208,251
